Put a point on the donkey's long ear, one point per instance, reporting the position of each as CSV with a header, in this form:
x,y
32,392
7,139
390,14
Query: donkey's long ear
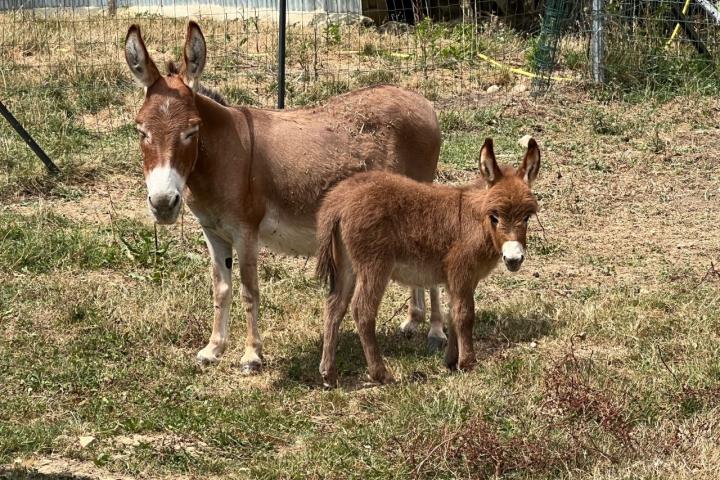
x,y
530,167
138,59
489,169
194,55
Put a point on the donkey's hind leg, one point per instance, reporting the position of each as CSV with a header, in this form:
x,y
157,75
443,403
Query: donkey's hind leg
x,y
336,306
368,294
436,336
416,312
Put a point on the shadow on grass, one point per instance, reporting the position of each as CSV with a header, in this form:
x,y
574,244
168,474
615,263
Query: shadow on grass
x,y
493,333
24,474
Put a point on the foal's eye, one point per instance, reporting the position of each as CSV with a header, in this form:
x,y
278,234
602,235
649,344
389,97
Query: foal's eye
x,y
142,134
527,219
493,219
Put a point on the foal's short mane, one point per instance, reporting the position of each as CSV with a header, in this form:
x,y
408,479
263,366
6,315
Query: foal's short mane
x,y
202,89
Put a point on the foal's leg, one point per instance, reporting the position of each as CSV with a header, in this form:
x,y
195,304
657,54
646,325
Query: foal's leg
x,y
451,353
247,248
460,352
365,302
436,335
416,312
335,308
221,257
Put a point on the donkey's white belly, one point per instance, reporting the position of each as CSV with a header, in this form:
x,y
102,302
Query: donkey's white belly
x,y
416,275
283,234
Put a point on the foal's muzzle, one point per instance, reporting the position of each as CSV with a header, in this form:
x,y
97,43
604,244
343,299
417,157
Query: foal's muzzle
x,y
513,255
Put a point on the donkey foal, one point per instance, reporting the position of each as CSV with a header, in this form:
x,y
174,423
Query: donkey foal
x,y
378,226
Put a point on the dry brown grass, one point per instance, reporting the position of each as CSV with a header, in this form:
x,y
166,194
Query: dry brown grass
x,y
597,360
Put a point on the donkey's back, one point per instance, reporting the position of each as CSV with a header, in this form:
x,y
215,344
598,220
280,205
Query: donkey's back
x,y
304,152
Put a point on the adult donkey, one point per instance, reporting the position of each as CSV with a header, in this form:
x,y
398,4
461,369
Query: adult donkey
x,y
253,176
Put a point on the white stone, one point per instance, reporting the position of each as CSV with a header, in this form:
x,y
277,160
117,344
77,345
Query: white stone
x,y
86,441
492,89
524,140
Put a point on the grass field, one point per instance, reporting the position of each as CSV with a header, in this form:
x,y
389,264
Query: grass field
x,y
599,359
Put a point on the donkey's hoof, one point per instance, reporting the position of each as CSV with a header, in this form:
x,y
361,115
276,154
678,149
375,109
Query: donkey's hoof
x,y
251,367
206,357
409,327
436,344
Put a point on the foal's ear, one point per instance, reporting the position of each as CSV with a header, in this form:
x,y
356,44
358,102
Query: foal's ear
x,y
194,55
528,171
138,59
489,169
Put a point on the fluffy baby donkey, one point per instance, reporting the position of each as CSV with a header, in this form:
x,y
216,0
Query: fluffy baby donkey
x,y
378,226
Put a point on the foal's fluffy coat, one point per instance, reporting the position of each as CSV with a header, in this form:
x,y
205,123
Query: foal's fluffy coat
x,y
378,226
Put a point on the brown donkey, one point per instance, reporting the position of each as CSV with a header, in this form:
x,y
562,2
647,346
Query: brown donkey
x,y
378,226
255,176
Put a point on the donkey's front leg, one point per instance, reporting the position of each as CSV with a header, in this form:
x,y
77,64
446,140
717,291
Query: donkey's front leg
x,y
221,257
436,336
247,248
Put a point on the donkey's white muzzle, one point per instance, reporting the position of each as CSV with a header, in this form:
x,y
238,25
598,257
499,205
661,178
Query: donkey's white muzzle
x,y
165,188
513,255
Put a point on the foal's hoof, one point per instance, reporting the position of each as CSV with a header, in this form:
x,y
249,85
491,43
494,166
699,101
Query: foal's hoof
x,y
384,378
451,364
252,367
329,380
436,344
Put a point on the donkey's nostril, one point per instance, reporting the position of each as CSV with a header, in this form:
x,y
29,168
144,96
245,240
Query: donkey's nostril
x,y
175,201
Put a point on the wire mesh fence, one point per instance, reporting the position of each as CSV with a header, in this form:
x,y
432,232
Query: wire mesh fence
x,y
62,68
661,45
64,75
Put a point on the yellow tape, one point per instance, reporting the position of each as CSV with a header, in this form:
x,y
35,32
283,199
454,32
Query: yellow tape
x,y
495,63
676,30
484,57
518,71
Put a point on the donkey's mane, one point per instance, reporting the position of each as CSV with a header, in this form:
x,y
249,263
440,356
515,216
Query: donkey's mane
x,y
202,89
214,95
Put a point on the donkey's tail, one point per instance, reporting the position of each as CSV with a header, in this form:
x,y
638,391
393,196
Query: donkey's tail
x,y
328,223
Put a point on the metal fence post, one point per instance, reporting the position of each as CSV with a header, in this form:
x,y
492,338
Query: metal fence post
x,y
52,168
597,43
282,6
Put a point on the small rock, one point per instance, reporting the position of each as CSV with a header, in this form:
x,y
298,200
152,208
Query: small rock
x,y
492,89
536,274
86,441
524,140
533,344
519,88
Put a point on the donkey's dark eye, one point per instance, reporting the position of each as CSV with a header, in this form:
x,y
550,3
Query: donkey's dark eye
x,y
190,134
493,219
142,134
527,219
